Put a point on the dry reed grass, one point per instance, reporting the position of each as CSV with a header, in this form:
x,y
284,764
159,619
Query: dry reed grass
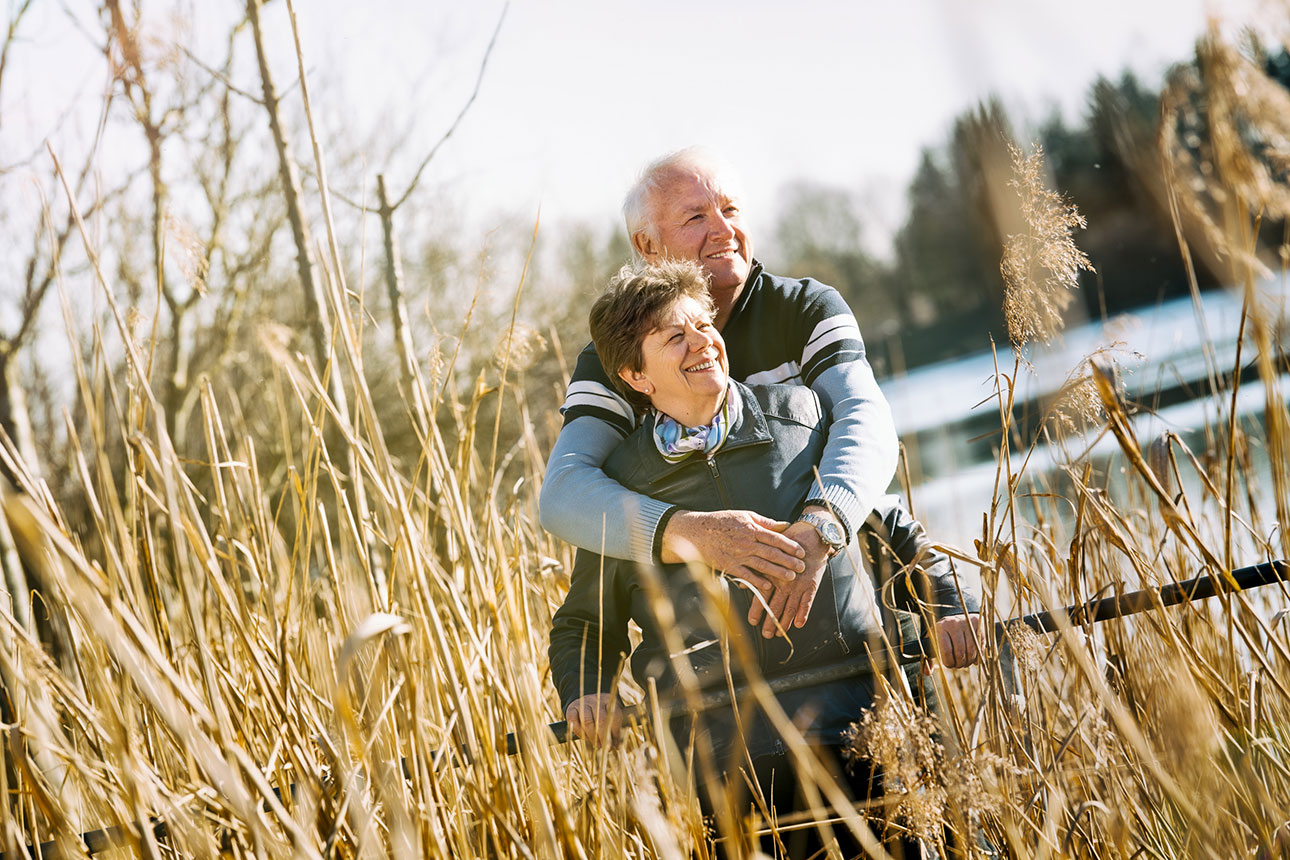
x,y
240,671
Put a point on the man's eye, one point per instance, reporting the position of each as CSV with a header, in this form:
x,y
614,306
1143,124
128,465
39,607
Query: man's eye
x,y
693,218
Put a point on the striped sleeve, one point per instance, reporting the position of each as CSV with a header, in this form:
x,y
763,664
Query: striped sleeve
x,y
834,336
788,373
591,393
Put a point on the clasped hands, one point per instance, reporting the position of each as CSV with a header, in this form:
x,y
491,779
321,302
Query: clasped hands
x,y
782,563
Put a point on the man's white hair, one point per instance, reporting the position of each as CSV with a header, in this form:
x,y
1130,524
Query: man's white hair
x,y
638,208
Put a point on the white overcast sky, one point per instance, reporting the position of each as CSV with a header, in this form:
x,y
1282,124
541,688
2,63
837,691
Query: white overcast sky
x,y
580,93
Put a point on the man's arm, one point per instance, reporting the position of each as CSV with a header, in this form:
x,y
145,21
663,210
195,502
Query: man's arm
x,y
925,582
585,507
860,456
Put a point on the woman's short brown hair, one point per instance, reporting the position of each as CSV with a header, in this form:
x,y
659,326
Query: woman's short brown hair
x,y
630,308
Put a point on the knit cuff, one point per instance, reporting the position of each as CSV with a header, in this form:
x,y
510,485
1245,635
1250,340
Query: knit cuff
x,y
844,505
647,536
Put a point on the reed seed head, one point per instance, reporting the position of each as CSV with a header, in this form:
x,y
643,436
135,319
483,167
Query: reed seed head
x,y
1041,266
518,347
900,742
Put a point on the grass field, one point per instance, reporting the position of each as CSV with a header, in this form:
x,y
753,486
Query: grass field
x,y
229,630
280,638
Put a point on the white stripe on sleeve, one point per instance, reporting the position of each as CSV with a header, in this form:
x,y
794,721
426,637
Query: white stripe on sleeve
x,y
589,393
828,332
786,372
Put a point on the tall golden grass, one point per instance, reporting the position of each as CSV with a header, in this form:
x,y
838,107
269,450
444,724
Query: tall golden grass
x,y
270,671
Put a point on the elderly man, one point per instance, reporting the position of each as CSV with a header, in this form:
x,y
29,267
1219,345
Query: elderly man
x,y
687,206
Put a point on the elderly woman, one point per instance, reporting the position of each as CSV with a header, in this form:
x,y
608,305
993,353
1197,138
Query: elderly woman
x,y
709,443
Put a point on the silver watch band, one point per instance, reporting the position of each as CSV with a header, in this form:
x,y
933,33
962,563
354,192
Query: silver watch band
x,y
829,530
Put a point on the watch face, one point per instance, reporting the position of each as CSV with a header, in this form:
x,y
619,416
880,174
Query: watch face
x,y
832,534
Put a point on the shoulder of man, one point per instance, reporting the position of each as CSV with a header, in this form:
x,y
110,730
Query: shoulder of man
x,y
812,322
805,293
591,392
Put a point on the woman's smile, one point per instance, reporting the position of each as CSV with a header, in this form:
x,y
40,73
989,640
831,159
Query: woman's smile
x,y
684,370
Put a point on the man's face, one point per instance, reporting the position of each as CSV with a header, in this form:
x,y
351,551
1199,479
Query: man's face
x,y
697,219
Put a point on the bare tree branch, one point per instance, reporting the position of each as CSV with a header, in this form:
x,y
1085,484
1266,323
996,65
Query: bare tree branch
x,y
10,37
488,52
221,76
34,292
36,289
416,177
315,302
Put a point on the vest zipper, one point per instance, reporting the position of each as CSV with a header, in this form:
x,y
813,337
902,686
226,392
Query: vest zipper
x,y
688,462
716,477
837,606
758,642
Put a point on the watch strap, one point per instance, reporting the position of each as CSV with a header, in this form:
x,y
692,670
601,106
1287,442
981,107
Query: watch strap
x,y
823,525
821,502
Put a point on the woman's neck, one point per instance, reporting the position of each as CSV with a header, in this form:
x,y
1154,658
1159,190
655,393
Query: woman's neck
x,y
693,414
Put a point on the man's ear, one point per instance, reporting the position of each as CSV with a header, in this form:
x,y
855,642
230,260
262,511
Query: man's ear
x,y
636,379
645,246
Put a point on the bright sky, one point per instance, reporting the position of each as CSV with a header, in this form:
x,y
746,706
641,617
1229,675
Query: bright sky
x,y
579,94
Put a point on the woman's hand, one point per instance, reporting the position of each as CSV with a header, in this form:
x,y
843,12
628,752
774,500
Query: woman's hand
x,y
596,718
957,637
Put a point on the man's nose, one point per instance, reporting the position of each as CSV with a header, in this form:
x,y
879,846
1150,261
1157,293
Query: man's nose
x,y
721,227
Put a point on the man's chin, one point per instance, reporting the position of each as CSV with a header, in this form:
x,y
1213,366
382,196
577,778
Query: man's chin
x,y
727,278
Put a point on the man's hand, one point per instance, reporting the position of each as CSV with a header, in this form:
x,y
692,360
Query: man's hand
x,y
596,718
956,637
791,602
741,544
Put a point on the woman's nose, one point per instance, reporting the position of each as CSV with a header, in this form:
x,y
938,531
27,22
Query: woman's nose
x,y
699,339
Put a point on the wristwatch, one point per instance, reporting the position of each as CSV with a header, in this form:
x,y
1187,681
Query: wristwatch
x,y
830,532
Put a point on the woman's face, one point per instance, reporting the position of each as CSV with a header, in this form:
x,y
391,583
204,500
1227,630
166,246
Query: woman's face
x,y
684,369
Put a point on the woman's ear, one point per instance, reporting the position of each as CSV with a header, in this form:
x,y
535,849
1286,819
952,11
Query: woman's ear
x,y
637,380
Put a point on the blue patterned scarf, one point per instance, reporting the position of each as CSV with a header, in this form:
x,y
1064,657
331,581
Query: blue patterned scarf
x,y
676,442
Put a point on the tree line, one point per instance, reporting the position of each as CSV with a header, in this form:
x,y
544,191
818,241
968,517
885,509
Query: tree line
x,y
940,294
